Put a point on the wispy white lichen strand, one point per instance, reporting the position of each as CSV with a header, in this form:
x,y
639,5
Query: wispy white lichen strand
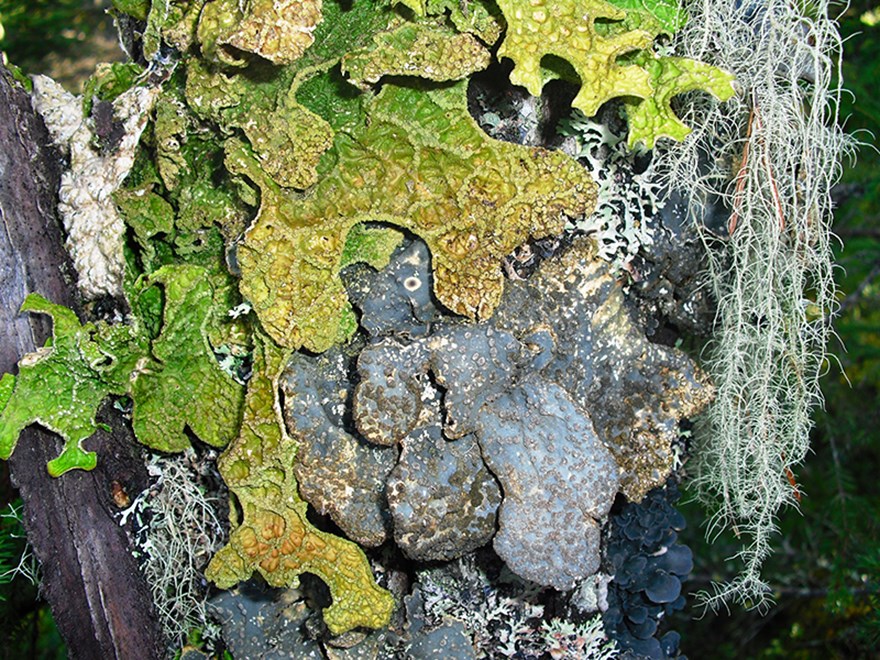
x,y
772,155
95,231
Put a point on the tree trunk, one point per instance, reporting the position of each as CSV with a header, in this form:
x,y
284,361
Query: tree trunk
x,y
98,597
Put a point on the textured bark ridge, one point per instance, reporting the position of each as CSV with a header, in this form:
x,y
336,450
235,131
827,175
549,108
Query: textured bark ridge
x,y
101,605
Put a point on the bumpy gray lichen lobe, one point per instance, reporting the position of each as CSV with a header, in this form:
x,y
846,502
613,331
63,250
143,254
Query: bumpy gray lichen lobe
x,y
475,364
635,391
339,473
399,299
559,483
446,642
560,398
558,479
264,623
392,394
442,497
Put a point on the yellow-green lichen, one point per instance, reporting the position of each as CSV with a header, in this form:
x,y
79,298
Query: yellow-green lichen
x,y
566,29
655,16
185,386
277,30
286,138
420,163
477,17
162,359
608,45
653,118
370,245
61,385
430,51
275,538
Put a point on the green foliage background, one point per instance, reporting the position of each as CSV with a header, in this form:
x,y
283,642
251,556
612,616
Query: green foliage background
x,y
38,27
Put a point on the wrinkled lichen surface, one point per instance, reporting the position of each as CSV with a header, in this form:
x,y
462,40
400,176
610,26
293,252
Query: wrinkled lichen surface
x,y
561,399
274,537
267,152
173,378
95,231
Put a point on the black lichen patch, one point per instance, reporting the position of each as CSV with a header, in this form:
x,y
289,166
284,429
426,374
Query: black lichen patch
x,y
649,566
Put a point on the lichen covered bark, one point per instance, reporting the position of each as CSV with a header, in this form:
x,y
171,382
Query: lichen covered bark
x,y
294,140
274,537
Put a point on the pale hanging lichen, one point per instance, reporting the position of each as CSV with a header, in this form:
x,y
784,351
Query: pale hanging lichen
x,y
771,155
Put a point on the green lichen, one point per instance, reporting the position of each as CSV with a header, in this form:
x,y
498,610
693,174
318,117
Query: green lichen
x,y
277,30
188,160
370,245
108,82
423,164
608,45
286,138
61,385
7,384
274,537
173,379
653,118
135,8
148,214
655,16
566,29
183,386
430,51
171,21
477,17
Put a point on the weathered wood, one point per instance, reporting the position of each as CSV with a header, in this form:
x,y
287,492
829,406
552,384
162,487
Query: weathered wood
x,y
98,597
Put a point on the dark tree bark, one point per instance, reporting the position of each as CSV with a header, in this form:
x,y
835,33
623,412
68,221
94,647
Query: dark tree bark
x,y
98,597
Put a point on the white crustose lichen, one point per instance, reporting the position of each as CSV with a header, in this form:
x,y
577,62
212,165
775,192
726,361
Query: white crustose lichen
x,y
95,231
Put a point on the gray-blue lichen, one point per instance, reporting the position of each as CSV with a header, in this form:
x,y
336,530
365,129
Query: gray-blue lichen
x,y
443,498
560,399
338,473
636,392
